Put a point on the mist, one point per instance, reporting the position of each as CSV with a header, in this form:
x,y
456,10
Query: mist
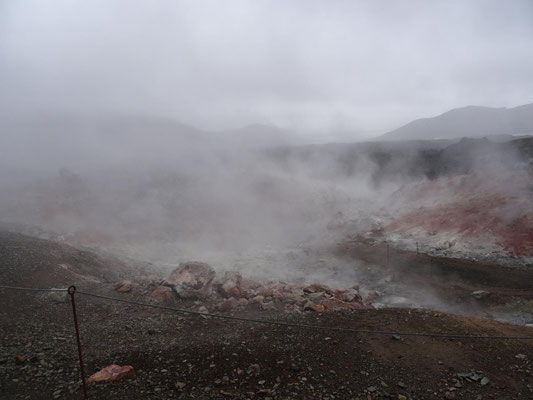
x,y
242,134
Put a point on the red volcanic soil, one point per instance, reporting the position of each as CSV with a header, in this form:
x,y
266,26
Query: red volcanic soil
x,y
474,219
474,206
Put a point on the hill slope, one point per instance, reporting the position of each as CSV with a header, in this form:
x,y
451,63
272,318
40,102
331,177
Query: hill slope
x,y
471,121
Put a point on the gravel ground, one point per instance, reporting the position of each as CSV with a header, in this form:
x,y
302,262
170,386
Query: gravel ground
x,y
181,357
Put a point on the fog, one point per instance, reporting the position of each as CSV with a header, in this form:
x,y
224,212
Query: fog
x,y
345,69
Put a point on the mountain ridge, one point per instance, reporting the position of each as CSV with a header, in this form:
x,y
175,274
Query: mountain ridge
x,y
469,121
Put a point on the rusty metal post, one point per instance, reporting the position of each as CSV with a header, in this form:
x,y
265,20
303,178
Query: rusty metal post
x,y
71,292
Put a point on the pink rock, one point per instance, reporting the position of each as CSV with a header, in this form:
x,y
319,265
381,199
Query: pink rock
x,y
162,294
231,285
192,280
317,288
258,299
112,373
248,284
313,307
124,286
249,293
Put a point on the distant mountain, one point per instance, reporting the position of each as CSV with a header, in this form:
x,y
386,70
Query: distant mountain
x,y
48,140
471,121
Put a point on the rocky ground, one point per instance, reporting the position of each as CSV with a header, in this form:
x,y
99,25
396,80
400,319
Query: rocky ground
x,y
180,356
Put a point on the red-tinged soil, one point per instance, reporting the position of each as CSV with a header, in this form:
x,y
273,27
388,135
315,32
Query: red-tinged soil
x,y
475,206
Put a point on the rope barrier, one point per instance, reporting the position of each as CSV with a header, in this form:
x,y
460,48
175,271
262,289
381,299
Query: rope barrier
x,y
287,324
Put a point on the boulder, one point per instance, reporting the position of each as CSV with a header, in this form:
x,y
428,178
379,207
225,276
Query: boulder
x,y
192,280
162,294
124,286
231,285
112,373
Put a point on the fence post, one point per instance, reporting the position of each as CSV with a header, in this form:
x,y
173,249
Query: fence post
x,y
71,292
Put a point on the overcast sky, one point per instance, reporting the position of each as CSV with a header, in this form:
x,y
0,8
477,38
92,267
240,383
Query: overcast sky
x,y
363,66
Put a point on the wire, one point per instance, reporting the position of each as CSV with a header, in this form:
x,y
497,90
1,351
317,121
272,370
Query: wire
x,y
33,289
308,326
280,323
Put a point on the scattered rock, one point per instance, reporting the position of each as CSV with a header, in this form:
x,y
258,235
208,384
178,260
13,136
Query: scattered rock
x,y
254,369
162,294
351,295
20,359
192,280
112,373
480,294
231,285
228,305
203,309
180,385
268,306
310,306
258,299
317,288
124,286
56,297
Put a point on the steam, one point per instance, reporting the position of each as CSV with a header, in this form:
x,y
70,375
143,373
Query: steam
x,y
96,98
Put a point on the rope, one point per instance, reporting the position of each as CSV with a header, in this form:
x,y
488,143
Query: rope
x,y
280,323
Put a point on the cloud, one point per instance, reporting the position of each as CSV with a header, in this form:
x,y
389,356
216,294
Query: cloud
x,y
362,65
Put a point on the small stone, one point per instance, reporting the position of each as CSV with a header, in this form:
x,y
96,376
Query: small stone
x,y
485,381
20,359
480,294
396,337
124,286
180,385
